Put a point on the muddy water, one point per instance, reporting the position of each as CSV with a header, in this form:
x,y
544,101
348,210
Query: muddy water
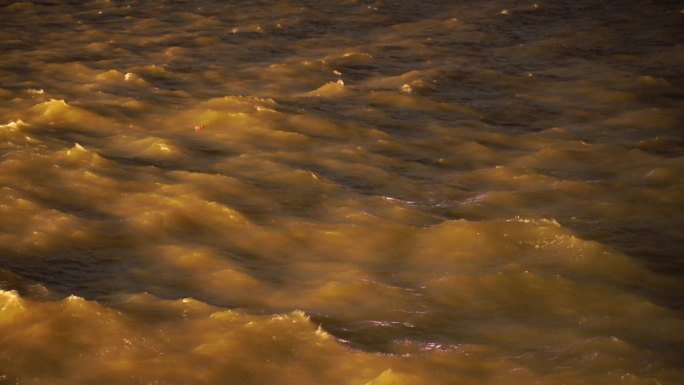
x,y
341,192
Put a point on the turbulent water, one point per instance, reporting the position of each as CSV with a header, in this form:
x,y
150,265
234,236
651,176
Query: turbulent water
x,y
341,192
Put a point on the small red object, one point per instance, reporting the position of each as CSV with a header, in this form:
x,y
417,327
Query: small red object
x,y
199,127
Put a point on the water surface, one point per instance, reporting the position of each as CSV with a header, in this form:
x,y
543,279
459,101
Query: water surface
x,y
343,192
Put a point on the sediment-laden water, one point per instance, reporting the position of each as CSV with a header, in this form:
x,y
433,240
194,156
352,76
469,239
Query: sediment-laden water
x,y
343,192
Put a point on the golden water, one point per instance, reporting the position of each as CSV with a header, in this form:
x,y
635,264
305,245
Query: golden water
x,y
348,192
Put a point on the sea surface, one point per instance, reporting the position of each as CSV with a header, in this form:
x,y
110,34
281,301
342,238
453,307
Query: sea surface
x,y
342,192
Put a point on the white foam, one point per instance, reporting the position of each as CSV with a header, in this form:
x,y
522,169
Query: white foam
x,y
14,125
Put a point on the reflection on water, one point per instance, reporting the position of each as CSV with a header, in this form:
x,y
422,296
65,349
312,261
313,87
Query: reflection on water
x,y
350,192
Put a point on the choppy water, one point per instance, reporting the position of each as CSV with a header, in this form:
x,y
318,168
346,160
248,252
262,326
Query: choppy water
x,y
349,192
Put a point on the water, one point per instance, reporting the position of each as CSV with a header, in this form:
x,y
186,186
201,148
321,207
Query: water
x,y
348,192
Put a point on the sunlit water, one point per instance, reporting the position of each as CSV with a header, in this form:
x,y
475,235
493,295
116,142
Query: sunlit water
x,y
350,192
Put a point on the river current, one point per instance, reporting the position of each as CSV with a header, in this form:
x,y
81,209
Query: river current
x,y
341,192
